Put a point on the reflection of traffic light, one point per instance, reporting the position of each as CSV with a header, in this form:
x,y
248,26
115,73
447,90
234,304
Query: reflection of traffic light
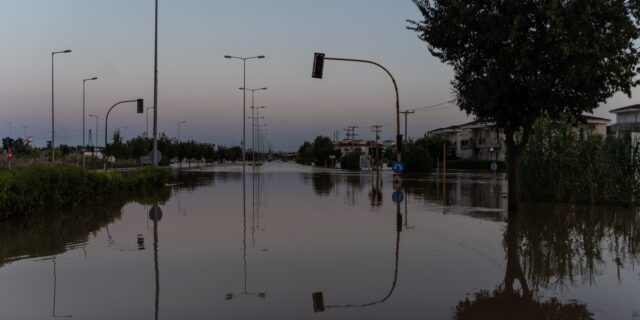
x,y
318,65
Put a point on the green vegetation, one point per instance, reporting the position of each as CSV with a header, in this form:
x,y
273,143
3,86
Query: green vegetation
x,y
351,160
38,188
416,158
319,152
517,61
563,165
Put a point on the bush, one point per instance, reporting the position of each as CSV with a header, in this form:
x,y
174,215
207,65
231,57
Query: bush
x,y
564,165
417,159
37,188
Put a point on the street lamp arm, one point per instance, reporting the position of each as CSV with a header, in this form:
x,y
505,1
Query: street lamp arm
x,y
106,123
395,86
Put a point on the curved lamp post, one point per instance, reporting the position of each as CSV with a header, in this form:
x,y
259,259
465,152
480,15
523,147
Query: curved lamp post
x,y
140,109
53,135
318,66
84,81
244,103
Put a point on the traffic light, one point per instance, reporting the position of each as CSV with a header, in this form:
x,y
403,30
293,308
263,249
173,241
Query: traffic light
x,y
318,65
140,105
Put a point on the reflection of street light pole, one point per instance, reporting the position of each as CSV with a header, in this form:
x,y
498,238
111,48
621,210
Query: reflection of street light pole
x,y
244,104
179,123
84,81
53,135
231,295
318,65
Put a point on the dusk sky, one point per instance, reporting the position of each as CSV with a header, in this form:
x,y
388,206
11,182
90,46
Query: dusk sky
x,y
113,40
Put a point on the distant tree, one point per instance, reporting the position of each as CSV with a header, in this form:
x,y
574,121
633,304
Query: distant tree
x,y
351,160
7,143
516,61
117,148
322,149
433,145
417,158
305,153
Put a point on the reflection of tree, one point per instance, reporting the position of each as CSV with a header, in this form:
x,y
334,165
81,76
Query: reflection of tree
x,y
507,302
323,183
567,245
193,180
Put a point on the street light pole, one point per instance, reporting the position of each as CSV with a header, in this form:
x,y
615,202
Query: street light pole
x,y
94,116
406,113
244,104
258,127
179,123
147,132
155,93
106,124
25,132
253,133
53,135
84,81
317,73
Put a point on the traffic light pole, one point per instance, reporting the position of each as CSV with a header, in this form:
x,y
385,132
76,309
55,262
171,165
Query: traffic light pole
x,y
140,109
318,66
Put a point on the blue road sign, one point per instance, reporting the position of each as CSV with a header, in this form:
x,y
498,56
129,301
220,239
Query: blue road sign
x,y
397,196
398,167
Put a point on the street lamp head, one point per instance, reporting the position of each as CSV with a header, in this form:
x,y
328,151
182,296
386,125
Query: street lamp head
x,y
94,78
241,88
228,57
265,88
260,57
66,51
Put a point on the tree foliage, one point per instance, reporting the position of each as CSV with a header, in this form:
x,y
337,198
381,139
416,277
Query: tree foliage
x,y
516,61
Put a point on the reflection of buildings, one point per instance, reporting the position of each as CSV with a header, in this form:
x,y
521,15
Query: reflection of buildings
x,y
485,192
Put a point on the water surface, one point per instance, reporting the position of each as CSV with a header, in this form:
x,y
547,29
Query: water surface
x,y
297,243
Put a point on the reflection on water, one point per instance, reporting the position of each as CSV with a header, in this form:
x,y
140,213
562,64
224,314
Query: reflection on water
x,y
332,248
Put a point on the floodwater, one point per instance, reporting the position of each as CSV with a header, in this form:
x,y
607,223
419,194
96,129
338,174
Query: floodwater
x,y
300,243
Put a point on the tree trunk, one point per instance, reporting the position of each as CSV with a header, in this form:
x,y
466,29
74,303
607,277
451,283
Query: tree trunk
x,y
513,158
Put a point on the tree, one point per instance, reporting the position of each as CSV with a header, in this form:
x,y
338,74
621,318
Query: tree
x,y
515,61
322,150
305,153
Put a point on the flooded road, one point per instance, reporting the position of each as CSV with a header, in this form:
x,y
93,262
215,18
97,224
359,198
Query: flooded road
x,y
297,243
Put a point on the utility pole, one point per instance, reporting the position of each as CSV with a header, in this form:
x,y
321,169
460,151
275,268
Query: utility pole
x,y
377,129
406,113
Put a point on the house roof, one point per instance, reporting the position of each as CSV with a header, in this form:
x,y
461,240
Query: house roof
x,y
592,119
631,108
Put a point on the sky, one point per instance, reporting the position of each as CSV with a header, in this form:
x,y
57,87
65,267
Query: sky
x,y
114,41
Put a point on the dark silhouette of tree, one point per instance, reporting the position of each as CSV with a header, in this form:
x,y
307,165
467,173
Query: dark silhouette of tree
x,y
305,153
516,61
322,150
